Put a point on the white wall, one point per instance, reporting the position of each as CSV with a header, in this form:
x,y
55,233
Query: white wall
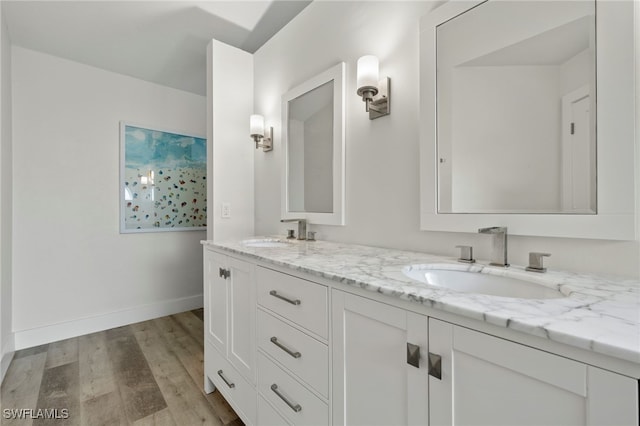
x,y
505,148
297,179
318,161
6,334
636,26
73,271
576,72
229,105
382,155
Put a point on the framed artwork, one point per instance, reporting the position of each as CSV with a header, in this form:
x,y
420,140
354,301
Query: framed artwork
x,y
163,180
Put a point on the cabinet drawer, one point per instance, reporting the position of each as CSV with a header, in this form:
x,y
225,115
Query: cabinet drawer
x,y
298,300
301,354
240,394
292,399
268,416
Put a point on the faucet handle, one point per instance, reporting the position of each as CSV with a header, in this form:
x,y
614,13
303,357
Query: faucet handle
x,y
466,254
302,227
536,262
311,235
493,230
290,234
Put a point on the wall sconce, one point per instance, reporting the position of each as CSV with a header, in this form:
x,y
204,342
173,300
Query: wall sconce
x,y
375,92
256,126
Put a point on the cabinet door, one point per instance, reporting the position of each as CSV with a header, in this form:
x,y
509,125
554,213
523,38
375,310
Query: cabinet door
x,y
372,382
215,300
491,381
242,317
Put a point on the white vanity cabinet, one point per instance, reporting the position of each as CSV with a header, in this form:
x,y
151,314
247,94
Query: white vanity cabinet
x,y
295,349
373,384
230,330
486,380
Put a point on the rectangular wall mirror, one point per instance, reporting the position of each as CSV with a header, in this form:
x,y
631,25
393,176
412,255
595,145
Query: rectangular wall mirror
x,y
313,145
527,118
516,109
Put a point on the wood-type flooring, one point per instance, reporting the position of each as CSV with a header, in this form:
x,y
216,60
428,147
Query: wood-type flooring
x,y
149,373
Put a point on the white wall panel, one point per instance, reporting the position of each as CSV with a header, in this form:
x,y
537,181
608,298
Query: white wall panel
x,y
70,262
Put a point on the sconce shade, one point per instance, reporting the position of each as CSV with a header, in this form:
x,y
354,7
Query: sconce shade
x,y
256,131
256,125
367,71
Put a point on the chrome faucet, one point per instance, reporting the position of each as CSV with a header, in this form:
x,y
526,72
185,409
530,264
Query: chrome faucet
x,y
302,227
499,255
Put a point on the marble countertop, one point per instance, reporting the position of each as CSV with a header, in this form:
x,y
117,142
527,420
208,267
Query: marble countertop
x,y
600,314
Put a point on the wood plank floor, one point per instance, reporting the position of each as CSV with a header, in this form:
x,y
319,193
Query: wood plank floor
x,y
149,373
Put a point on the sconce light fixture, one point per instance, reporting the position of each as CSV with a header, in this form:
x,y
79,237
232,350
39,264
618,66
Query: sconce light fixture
x,y
375,92
256,126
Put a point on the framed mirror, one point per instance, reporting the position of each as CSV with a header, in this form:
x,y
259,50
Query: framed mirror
x,y
516,129
516,108
314,146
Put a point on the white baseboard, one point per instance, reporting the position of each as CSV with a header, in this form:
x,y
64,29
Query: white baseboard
x,y
52,333
7,356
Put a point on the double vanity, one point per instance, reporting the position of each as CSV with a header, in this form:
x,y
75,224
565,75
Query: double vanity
x,y
314,332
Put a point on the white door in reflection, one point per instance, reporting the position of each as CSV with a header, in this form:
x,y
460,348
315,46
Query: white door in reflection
x,y
578,153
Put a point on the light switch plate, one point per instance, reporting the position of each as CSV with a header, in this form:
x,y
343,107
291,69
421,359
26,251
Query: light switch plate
x,y
225,211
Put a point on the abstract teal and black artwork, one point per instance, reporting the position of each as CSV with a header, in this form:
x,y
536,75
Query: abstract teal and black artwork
x,y
163,180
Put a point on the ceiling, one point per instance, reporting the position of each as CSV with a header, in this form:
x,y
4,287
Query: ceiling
x,y
551,47
163,42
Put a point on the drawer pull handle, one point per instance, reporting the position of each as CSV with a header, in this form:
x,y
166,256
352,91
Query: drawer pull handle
x,y
293,302
231,385
294,354
295,407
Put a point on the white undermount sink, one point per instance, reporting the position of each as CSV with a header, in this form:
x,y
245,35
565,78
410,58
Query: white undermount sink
x,y
478,281
266,242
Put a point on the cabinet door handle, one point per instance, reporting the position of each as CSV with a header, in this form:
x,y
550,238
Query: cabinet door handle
x,y
435,366
231,385
286,299
295,407
413,355
224,273
294,354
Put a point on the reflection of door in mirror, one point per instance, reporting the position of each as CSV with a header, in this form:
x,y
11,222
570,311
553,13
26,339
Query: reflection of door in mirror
x,y
512,77
310,151
578,153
